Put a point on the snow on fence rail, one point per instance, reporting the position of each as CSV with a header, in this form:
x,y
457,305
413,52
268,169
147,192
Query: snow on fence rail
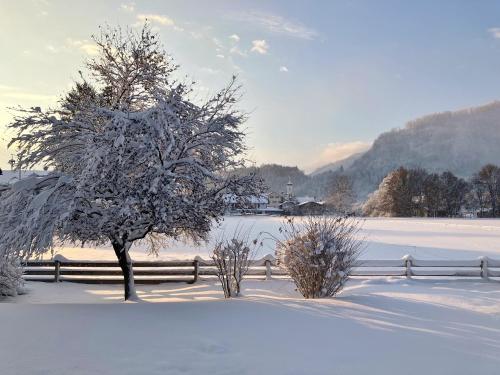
x,y
155,272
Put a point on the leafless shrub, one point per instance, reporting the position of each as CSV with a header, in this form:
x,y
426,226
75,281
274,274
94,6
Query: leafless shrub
x,y
319,253
232,258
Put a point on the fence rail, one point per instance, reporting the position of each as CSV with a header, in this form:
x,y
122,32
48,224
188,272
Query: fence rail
x,y
155,272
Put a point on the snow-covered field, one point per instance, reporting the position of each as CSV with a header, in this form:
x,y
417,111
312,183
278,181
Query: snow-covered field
x,y
385,238
375,326
378,326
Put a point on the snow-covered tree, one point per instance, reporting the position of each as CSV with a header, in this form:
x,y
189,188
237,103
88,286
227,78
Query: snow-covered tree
x,y
11,277
131,154
453,193
433,195
381,202
479,195
415,192
341,197
488,180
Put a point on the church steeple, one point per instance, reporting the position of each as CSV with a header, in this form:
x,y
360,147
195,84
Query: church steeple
x,y
289,189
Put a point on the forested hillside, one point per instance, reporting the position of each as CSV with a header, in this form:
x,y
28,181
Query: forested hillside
x,y
461,142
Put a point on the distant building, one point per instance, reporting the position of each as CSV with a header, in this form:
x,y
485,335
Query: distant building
x,y
275,199
289,204
310,208
288,207
282,202
257,205
289,190
305,199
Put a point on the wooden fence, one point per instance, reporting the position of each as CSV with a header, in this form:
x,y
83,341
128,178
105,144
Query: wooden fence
x,y
190,271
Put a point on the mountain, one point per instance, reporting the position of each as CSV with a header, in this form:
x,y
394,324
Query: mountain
x,y
336,165
460,141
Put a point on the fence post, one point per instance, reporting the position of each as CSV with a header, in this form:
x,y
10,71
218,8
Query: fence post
x,y
196,270
484,268
57,266
268,270
408,259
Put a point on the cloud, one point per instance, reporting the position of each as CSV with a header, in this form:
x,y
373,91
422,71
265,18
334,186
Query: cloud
x,y
156,18
209,70
222,50
495,32
51,48
196,34
235,37
283,69
338,151
86,46
90,49
278,25
9,92
128,7
237,51
260,46
218,43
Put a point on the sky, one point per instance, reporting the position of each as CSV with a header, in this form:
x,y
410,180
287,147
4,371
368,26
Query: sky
x,y
321,79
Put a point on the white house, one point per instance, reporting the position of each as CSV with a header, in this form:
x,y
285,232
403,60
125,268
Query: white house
x,y
248,204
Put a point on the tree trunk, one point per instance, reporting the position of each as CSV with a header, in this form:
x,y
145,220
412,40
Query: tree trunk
x,y
121,250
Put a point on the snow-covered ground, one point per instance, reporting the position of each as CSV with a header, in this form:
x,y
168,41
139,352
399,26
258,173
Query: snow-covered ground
x,y
385,238
377,326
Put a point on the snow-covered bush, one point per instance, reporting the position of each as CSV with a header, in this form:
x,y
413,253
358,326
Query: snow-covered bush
x,y
319,253
11,277
232,258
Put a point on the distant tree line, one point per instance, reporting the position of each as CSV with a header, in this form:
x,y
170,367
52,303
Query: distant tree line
x,y
340,197
276,177
417,192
